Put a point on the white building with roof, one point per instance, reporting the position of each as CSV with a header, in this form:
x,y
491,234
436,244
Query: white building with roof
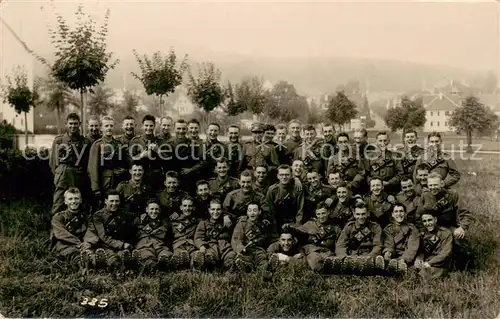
x,y
13,53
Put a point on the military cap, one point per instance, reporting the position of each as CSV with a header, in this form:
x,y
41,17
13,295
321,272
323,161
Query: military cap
x,y
257,127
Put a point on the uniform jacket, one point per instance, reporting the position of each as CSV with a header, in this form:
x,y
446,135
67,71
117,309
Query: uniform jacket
x,y
212,232
410,156
141,143
151,232
342,213
236,203
448,206
275,248
437,162
436,247
288,149
235,153
260,154
183,229
359,240
311,155
170,202
251,234
110,230
412,204
105,155
379,207
321,237
386,168
353,169
66,149
134,195
68,229
402,240
221,188
285,203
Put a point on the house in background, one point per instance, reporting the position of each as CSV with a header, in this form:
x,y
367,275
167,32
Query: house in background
x,y
438,111
13,53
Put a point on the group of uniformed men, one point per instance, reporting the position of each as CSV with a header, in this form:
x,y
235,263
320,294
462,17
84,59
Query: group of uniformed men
x,y
176,201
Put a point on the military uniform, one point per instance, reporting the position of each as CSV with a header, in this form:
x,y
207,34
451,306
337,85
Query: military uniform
x,y
221,188
236,203
419,188
69,170
257,154
151,246
402,241
261,188
379,208
153,167
234,152
435,248
410,156
108,232
124,142
447,169
213,150
68,231
249,240
311,155
288,148
412,204
342,213
285,204
170,202
183,229
352,170
320,243
314,196
447,204
388,169
134,196
275,248
216,238
201,206
93,138
106,164
359,240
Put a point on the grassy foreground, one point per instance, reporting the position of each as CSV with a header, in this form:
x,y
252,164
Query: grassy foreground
x,y
33,283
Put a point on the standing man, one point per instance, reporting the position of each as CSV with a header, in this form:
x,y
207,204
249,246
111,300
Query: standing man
x,y
258,153
165,129
294,141
330,145
435,158
363,149
68,162
128,127
234,151
213,150
411,151
310,151
383,164
145,147
94,129
106,163
281,149
194,130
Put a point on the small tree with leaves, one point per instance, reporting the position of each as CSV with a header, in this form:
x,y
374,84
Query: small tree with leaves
x,y
130,103
100,101
19,95
472,117
341,110
409,114
205,89
249,95
56,96
160,75
82,59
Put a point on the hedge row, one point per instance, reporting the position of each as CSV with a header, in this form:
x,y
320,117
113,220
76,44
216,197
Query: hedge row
x,y
25,174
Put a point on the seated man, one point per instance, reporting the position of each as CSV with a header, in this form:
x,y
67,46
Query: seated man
x,y
359,243
378,203
152,233
202,199
236,202
409,198
261,183
170,198
420,179
435,248
343,208
401,241
286,249
251,236
135,191
111,233
213,239
222,184
68,230
334,180
298,171
316,192
322,235
183,229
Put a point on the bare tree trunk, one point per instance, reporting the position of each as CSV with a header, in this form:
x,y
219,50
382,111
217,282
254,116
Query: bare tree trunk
x,y
469,142
58,120
25,129
82,112
161,106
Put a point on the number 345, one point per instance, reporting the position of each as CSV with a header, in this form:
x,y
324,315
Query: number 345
x,y
103,303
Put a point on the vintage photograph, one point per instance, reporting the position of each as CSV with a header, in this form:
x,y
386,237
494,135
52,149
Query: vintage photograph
x,y
249,159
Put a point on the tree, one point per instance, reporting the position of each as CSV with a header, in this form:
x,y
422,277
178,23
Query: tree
x,y
82,60
341,110
284,103
160,75
130,103
249,95
472,117
20,96
364,110
314,115
205,90
100,101
409,114
56,96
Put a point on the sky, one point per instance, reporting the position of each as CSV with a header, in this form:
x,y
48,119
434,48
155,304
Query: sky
x,y
460,34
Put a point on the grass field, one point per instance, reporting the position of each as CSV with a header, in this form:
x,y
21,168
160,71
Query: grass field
x,y
33,283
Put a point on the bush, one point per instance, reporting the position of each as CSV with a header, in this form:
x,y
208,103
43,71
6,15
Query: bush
x,y
25,174
7,133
